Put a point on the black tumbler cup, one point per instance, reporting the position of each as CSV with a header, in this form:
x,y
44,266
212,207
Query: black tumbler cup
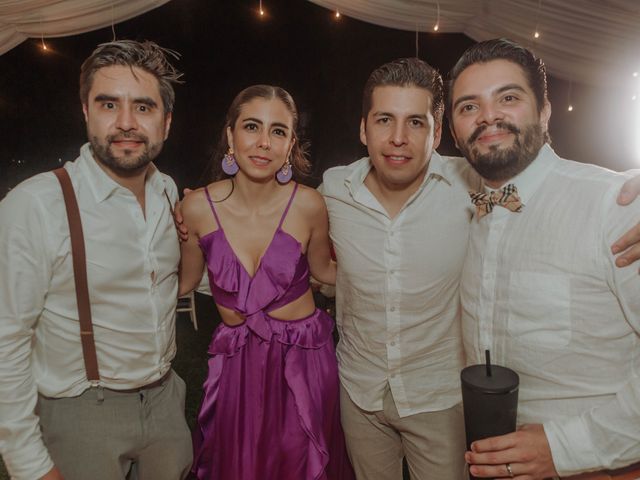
x,y
490,401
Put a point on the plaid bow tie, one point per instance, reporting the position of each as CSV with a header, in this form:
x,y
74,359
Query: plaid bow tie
x,y
506,197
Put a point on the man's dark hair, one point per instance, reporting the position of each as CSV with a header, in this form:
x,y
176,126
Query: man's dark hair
x,y
146,55
502,49
406,72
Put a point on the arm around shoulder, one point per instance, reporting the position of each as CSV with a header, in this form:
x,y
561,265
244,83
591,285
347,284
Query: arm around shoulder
x,y
191,257
322,267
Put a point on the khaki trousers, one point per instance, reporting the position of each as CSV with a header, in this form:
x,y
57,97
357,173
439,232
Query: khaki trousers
x,y
433,442
107,435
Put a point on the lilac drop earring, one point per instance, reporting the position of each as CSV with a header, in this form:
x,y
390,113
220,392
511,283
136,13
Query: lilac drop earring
x,y
229,164
285,173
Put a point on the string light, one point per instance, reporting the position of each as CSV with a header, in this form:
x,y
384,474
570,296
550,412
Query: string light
x,y
261,9
536,33
436,27
113,28
570,107
337,15
44,45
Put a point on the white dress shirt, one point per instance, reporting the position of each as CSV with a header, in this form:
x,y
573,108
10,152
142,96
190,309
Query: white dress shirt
x,y
541,291
132,265
398,308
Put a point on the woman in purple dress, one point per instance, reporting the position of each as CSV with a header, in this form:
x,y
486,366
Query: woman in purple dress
x,y
270,409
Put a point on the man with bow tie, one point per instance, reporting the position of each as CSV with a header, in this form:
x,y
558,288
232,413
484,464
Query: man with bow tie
x,y
539,285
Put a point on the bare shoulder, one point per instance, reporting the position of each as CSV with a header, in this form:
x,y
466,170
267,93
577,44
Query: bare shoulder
x,y
195,207
310,201
220,190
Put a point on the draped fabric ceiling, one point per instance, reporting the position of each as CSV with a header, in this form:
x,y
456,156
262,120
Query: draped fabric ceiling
x,y
589,41
595,42
22,19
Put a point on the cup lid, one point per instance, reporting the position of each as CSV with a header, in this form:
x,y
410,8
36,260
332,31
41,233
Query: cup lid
x,y
502,379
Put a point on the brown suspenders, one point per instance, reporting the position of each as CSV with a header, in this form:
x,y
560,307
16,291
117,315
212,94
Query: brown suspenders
x,y
80,275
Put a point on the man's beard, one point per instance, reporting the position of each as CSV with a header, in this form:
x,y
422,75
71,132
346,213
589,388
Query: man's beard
x,y
128,164
502,164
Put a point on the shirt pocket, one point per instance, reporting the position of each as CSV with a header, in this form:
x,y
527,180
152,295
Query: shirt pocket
x,y
539,310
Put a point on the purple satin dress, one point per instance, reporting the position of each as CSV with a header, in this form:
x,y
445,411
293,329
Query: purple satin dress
x,y
270,409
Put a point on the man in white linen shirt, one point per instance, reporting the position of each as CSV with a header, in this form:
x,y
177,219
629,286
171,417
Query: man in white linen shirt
x,y
54,423
539,287
399,222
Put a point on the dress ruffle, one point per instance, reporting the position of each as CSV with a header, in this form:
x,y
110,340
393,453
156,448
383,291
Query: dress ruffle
x,y
304,350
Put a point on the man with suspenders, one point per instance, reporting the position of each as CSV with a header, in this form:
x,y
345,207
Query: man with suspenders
x,y
87,318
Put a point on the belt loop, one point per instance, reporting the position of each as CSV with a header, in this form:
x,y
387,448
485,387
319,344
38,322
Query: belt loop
x,y
100,394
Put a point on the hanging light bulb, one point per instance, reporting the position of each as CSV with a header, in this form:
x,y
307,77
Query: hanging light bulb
x,y
261,9
436,27
44,45
536,32
570,108
337,15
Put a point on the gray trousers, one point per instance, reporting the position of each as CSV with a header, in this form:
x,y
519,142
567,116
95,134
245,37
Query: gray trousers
x,y
107,435
432,442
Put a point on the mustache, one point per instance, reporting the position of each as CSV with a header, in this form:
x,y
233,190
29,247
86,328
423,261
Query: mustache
x,y
509,127
136,137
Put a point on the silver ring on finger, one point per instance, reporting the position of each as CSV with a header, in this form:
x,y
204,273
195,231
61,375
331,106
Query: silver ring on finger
x,y
509,471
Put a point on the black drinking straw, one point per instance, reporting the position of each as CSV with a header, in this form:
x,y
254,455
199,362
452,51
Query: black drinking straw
x,y
487,356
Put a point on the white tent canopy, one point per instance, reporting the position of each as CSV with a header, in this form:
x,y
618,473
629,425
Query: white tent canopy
x,y
589,41
22,19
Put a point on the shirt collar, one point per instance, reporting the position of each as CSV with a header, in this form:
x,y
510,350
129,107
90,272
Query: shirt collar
x,y
355,181
531,178
102,185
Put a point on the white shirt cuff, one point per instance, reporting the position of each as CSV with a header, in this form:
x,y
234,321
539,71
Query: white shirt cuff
x,y
571,446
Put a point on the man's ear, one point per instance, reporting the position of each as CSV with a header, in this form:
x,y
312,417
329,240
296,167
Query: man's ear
x,y
437,134
545,115
363,131
85,112
167,124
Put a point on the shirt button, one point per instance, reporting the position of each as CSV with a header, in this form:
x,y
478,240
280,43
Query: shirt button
x,y
393,309
393,344
392,272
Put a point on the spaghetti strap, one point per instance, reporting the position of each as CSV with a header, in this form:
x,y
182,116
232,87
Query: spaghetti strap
x,y
286,210
206,192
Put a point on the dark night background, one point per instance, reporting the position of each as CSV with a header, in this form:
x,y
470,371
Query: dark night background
x,y
227,46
